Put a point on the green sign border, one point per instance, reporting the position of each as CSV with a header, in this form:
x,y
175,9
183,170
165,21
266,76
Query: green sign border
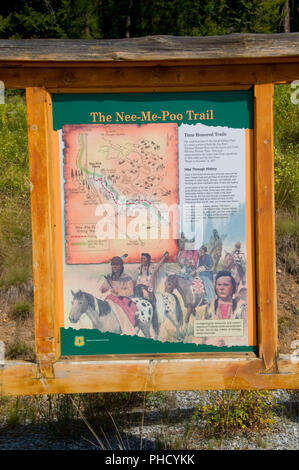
x,y
95,343
230,108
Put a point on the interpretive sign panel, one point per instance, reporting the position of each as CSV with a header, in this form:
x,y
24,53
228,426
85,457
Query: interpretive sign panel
x,y
152,201
155,198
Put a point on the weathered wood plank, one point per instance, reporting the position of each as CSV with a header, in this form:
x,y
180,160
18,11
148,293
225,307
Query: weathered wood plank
x,y
154,78
232,46
19,378
265,226
42,191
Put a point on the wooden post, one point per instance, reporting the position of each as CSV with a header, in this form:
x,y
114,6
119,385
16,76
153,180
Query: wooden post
x,y
41,178
265,226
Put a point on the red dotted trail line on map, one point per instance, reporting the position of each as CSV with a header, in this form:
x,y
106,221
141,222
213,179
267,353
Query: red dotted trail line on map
x,y
138,201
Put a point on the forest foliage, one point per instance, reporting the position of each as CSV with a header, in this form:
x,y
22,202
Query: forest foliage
x,y
104,19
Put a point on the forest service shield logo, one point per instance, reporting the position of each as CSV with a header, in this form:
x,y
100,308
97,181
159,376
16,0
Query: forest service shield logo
x,y
79,341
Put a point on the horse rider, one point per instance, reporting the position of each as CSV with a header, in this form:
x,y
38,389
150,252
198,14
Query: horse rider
x,y
118,287
215,248
204,272
238,256
205,263
118,283
145,278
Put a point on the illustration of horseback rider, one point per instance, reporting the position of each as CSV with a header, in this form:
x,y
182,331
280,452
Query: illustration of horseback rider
x,y
146,276
204,272
215,248
118,287
239,256
196,265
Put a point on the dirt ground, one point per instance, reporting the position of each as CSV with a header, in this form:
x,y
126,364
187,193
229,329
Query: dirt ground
x,y
288,310
18,334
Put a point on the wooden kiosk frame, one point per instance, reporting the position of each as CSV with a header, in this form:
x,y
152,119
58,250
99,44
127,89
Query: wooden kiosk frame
x,y
151,64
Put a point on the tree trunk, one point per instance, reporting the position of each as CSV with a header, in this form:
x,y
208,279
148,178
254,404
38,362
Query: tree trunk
x,y
286,17
128,22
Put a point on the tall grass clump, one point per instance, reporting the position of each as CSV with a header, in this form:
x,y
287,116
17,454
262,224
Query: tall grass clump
x,y
15,222
20,311
71,415
287,243
19,349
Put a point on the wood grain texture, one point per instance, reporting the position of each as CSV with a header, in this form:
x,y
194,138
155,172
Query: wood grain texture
x,y
42,190
154,78
232,46
18,378
265,225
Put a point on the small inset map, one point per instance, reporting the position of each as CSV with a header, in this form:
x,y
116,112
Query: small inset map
x,y
120,180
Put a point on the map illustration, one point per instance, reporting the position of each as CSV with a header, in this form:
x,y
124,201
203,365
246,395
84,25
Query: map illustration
x,y
119,180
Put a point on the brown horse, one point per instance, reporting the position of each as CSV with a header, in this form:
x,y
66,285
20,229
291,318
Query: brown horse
x,y
216,253
184,287
235,269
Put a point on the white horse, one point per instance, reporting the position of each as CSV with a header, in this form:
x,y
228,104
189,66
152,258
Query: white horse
x,y
167,307
104,318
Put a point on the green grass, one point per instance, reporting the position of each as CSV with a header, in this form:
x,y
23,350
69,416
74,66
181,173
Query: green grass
x,y
286,225
287,242
15,241
15,222
66,415
14,178
221,415
286,133
21,310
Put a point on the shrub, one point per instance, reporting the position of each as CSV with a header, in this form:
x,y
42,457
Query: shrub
x,y
231,411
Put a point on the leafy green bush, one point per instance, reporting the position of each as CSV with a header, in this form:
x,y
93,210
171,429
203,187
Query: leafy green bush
x,y
231,411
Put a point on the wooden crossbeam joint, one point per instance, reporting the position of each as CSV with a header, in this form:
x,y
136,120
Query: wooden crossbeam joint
x,y
46,366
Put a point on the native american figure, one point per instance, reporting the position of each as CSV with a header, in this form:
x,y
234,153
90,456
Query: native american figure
x,y
215,249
